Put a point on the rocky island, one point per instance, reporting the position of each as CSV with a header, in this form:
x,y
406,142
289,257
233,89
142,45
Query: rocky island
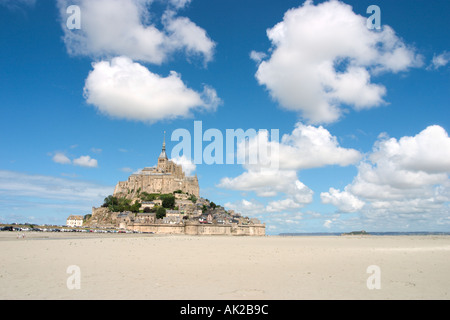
x,y
164,200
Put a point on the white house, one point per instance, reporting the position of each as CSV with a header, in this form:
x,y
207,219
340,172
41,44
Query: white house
x,y
74,221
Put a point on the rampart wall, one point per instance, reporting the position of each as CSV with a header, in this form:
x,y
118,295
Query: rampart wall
x,y
201,229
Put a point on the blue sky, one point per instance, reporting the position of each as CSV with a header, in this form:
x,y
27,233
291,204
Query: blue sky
x,y
362,114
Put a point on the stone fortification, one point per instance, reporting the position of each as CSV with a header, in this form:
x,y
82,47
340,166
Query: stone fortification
x,y
192,228
190,214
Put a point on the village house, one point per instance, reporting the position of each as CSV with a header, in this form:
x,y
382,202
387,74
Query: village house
x,y
147,204
74,221
145,218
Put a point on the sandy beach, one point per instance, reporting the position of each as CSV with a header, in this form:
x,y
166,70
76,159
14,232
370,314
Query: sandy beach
x,y
140,266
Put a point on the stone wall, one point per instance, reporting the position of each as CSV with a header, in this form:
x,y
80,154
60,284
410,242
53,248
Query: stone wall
x,y
201,229
102,217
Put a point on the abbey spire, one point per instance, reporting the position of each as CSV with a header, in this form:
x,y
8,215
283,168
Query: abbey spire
x,y
163,154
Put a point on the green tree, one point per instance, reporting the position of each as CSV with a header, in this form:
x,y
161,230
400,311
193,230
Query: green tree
x,y
109,200
193,198
135,207
160,213
168,200
115,204
145,196
123,205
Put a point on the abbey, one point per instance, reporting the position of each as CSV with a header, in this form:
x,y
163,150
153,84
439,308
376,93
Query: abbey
x,y
166,177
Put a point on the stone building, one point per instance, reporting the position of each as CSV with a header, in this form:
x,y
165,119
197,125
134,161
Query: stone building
x,y
166,177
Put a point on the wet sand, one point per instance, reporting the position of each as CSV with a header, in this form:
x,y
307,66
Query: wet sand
x,y
141,266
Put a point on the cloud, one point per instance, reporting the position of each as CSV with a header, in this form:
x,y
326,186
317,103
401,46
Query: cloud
x,y
20,184
306,147
61,158
125,89
124,27
327,224
283,205
323,57
96,150
312,147
85,161
246,207
183,33
344,201
257,56
118,32
187,164
428,151
41,196
272,183
180,3
440,60
17,4
402,183
405,178
265,182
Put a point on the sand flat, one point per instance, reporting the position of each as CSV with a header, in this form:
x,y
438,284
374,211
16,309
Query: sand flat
x,y
137,266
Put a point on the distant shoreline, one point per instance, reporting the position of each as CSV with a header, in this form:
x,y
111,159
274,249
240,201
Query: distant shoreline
x,y
387,233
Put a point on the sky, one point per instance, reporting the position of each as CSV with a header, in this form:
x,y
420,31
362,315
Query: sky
x,y
352,104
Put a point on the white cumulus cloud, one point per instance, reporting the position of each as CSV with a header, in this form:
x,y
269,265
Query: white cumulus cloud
x,y
86,161
122,88
305,147
345,201
82,161
125,27
118,32
184,34
401,178
275,171
323,56
312,147
440,60
61,158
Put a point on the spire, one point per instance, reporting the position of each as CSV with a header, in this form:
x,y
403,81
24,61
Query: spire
x,y
164,141
163,152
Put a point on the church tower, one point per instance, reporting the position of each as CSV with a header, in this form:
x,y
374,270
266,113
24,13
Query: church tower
x,y
162,159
